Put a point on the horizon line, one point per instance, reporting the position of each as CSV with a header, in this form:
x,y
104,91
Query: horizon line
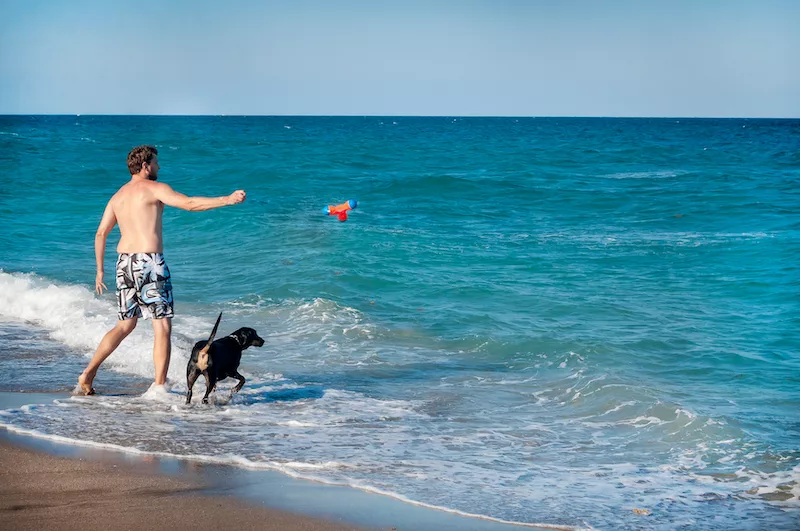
x,y
675,117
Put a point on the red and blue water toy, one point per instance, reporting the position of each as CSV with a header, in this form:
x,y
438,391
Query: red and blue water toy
x,y
340,211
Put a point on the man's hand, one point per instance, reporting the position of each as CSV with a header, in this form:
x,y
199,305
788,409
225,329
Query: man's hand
x,y
98,283
236,197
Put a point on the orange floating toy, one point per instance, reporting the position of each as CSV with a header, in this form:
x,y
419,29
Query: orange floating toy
x,y
340,211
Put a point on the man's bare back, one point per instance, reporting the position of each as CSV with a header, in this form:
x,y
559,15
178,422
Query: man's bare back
x,y
138,215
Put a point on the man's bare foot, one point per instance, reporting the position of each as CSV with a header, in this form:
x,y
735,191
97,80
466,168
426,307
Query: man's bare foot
x,y
85,384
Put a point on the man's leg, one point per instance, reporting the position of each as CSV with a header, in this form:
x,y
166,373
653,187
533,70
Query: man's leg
x,y
162,348
108,344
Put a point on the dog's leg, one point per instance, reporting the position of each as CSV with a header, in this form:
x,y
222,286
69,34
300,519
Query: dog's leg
x,y
211,384
191,378
241,382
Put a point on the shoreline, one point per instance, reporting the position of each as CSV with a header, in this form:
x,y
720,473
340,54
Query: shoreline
x,y
43,491
131,482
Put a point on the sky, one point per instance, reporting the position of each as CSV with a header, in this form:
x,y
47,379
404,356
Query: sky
x,y
671,58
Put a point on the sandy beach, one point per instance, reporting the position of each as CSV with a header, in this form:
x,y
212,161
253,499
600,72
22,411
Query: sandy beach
x,y
45,492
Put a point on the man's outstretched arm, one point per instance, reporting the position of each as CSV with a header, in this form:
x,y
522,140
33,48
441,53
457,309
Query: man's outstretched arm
x,y
106,224
168,196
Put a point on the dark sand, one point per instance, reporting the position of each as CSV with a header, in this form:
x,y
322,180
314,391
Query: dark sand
x,y
39,491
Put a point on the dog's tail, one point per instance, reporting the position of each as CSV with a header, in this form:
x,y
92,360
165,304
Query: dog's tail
x,y
202,356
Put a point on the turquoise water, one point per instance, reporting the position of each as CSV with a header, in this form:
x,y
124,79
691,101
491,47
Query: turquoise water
x,y
528,319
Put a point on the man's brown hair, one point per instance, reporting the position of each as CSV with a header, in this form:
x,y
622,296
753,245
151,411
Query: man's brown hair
x,y
138,156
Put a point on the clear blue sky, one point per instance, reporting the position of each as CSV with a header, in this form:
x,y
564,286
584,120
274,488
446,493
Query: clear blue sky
x,y
428,57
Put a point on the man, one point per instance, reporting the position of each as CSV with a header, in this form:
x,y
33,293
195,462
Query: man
x,y
144,288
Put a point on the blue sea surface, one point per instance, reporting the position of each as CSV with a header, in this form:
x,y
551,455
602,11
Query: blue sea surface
x,y
578,322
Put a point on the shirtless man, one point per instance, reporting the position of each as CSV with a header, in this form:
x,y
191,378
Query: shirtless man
x,y
144,288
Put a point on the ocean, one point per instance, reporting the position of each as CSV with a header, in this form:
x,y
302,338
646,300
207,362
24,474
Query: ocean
x,y
593,323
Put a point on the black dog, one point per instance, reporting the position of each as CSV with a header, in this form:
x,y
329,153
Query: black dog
x,y
217,360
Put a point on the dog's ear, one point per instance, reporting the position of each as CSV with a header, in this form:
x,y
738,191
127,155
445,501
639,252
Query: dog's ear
x,y
251,337
241,337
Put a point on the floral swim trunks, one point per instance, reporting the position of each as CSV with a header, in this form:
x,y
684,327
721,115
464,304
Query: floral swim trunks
x,y
144,288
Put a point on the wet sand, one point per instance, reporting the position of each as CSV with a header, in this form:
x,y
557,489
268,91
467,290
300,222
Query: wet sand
x,y
39,491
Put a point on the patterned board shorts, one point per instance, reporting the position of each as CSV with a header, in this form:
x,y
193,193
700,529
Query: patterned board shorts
x,y
144,288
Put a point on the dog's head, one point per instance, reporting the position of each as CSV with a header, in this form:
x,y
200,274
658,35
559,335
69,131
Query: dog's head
x,y
247,337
